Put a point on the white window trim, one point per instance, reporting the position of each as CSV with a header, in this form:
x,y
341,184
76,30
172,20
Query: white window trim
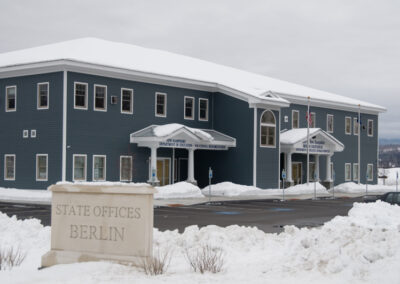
x,y
38,96
165,105
314,121
132,95
94,98
355,164
355,122
33,133
6,106
47,167
268,125
25,133
372,121
73,166
327,123
345,166
298,119
184,108
120,167
5,166
371,178
86,96
203,119
105,167
345,130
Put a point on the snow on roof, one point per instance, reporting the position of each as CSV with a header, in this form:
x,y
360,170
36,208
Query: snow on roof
x,y
168,129
295,135
152,61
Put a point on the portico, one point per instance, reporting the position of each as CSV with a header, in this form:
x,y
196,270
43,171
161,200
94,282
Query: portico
x,y
321,143
178,136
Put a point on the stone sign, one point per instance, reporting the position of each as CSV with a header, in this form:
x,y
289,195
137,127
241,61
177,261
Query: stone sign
x,y
100,222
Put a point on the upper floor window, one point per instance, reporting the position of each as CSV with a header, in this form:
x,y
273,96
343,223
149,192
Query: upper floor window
x,y
370,127
189,108
267,129
295,119
100,97
41,167
313,120
347,125
126,101
79,170
9,167
329,123
203,109
125,168
80,95
11,98
161,104
43,95
99,167
355,125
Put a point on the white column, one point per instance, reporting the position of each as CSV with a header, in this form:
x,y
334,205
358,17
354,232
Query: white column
x,y
173,166
328,168
191,166
317,167
289,167
153,166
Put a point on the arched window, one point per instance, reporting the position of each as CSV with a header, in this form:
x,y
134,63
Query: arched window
x,y
268,129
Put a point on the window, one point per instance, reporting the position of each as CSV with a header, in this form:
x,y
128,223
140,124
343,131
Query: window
x,y
33,133
355,125
313,122
295,119
355,172
80,98
203,109
286,118
189,108
11,98
25,133
347,172
370,127
329,123
267,129
370,172
99,168
79,170
41,167
347,125
126,101
125,168
100,98
42,95
9,167
161,104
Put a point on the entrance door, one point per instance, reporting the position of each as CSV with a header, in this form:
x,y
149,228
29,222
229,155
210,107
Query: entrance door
x,y
163,172
296,172
183,169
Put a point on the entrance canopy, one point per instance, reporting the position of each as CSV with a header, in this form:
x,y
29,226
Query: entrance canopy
x,y
176,135
321,142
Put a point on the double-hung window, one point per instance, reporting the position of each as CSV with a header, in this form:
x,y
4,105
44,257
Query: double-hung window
x,y
329,123
295,119
11,98
370,172
9,167
203,109
41,167
79,170
355,126
347,125
126,101
313,118
355,172
100,98
347,172
370,127
161,105
80,95
99,167
125,168
42,95
189,108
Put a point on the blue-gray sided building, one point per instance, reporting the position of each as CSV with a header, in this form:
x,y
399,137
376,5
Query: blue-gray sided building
x,y
94,110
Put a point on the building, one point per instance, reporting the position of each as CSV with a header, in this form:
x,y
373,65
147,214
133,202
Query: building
x,y
94,110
